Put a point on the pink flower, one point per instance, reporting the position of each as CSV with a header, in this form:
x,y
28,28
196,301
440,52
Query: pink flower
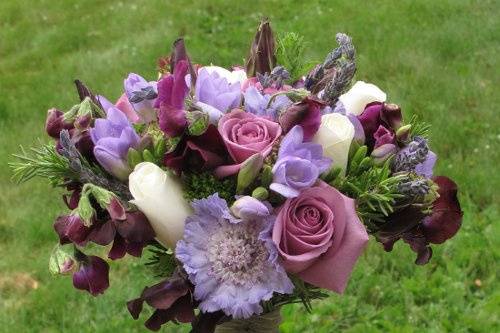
x,y
319,237
246,134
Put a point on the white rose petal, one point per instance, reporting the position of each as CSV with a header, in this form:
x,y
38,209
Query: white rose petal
x,y
360,95
335,135
159,196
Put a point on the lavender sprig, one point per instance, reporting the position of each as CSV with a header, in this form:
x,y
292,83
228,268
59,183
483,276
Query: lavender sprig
x,y
84,171
278,76
407,159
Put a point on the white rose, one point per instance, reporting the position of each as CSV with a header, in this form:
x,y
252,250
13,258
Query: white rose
x,y
159,196
361,94
335,135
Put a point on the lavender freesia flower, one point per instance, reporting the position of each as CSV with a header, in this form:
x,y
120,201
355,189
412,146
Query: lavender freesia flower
x,y
214,94
232,262
142,95
257,103
299,164
112,138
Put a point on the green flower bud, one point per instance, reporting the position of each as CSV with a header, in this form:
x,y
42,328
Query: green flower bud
x,y
85,209
62,262
148,156
266,177
260,193
403,132
249,171
133,157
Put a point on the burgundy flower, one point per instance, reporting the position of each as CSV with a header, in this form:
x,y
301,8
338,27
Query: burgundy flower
x,y
171,300
446,216
172,90
383,136
203,152
377,114
306,113
71,229
55,123
93,275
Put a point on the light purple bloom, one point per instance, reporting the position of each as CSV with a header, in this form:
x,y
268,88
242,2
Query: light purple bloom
x,y
256,103
231,262
112,138
142,95
426,167
214,94
248,208
299,164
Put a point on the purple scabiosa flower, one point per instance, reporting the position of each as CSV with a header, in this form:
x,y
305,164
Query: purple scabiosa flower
x,y
231,262
299,164
142,95
257,102
112,138
215,95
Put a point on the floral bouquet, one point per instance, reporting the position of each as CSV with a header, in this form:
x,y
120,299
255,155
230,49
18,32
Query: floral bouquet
x,y
251,188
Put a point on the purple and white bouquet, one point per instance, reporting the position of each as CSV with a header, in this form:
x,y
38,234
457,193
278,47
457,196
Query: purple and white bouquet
x,y
252,187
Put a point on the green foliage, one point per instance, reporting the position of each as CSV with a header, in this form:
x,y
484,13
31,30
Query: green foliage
x,y
199,186
162,261
43,162
303,293
419,128
375,190
290,54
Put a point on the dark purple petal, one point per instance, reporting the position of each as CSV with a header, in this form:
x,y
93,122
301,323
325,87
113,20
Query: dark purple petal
x,y
135,307
306,113
206,322
164,294
116,210
446,217
102,234
119,248
172,121
418,243
370,120
135,249
135,228
55,123
70,228
391,115
92,276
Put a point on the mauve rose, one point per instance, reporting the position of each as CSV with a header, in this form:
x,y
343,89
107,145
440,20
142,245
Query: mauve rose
x,y
246,134
319,236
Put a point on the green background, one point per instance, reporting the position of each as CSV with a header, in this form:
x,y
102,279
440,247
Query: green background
x,y
437,59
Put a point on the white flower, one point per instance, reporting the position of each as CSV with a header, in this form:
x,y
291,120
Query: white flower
x,y
159,196
361,94
335,135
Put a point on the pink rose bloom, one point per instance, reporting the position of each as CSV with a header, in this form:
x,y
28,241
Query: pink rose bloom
x,y
319,237
245,135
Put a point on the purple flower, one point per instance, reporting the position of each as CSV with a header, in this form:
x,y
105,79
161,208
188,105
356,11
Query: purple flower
x,y
231,261
248,208
215,95
299,164
306,113
92,275
112,138
142,95
172,91
257,103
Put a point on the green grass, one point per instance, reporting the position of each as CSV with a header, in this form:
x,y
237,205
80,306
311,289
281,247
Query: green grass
x,y
438,59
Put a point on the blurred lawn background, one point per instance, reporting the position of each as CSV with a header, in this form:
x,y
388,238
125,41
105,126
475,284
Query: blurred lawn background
x,y
437,59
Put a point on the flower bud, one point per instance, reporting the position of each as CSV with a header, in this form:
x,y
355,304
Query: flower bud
x,y
249,208
249,171
61,262
403,132
391,114
382,153
260,193
55,123
261,58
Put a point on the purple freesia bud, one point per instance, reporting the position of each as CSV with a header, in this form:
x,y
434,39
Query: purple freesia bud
x,y
249,208
382,153
215,95
299,164
306,113
383,136
446,216
142,95
112,138
93,275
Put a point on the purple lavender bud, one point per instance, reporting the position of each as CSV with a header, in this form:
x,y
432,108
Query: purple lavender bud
x,y
113,137
142,95
415,154
93,275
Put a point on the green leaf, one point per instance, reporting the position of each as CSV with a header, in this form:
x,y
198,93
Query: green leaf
x,y
290,54
133,157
